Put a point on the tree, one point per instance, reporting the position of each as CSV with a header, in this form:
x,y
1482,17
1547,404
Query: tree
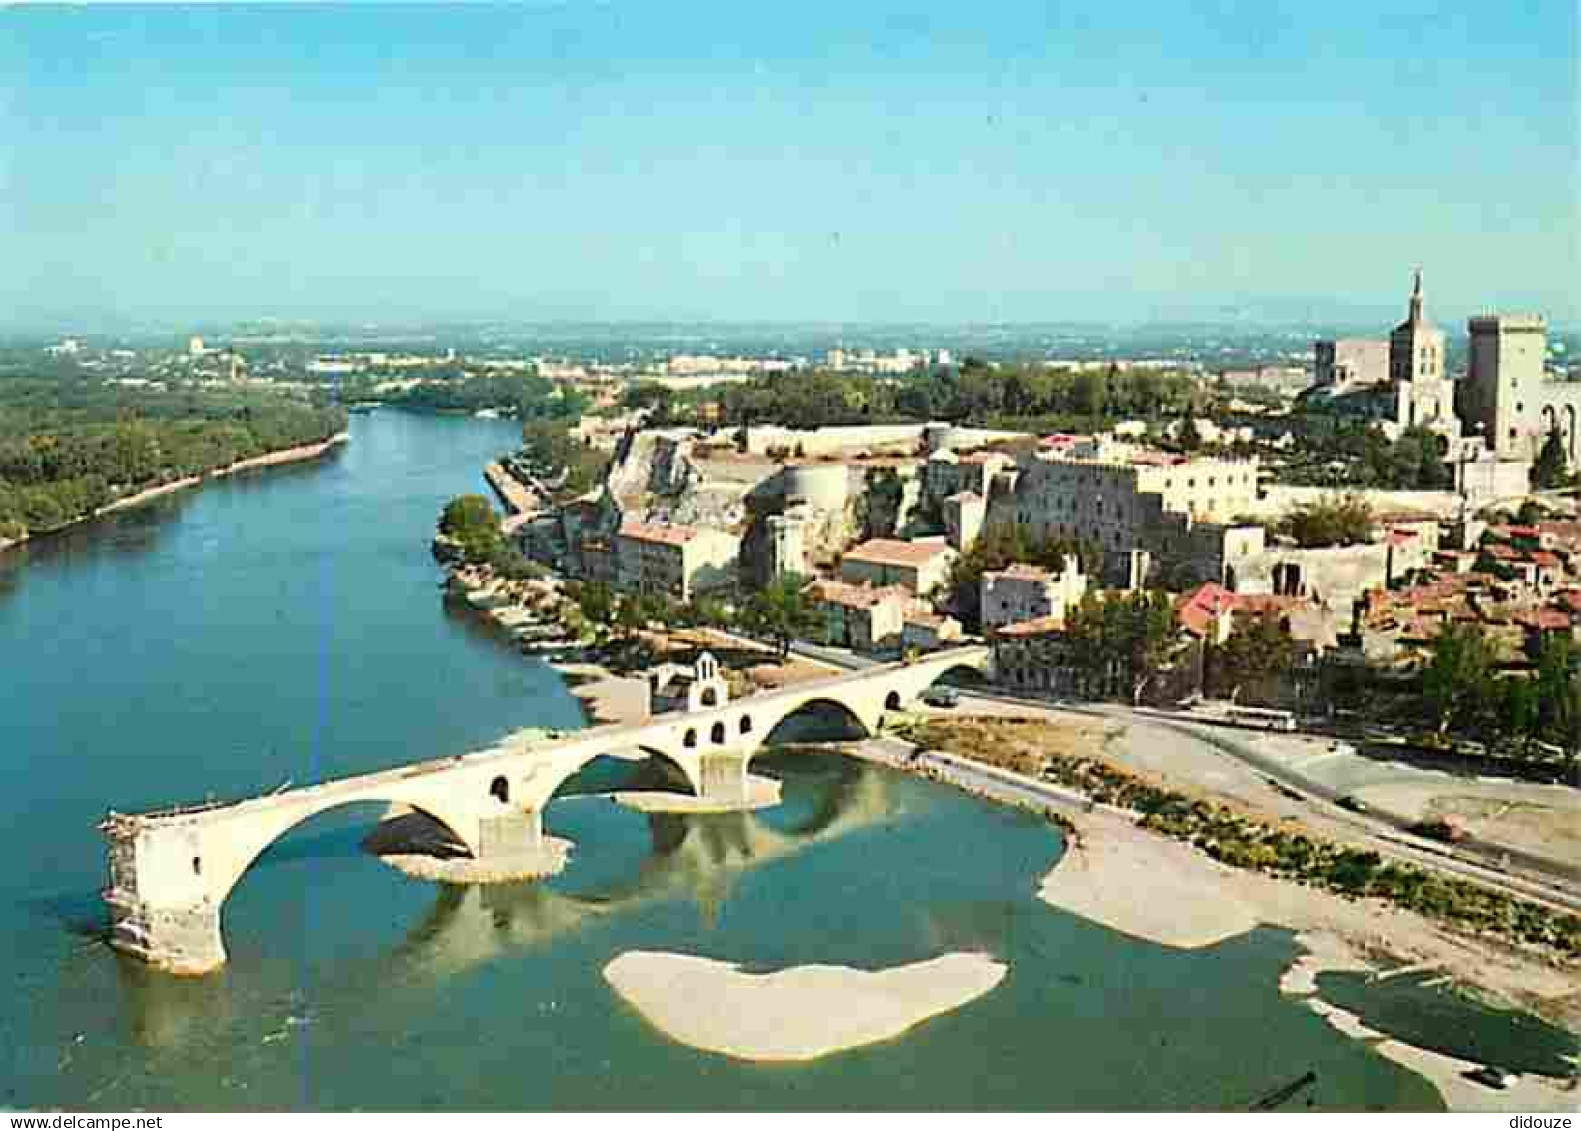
x,y
781,611
1530,512
1557,696
1344,520
1458,681
1121,640
472,523
1258,648
595,602
1004,544
1190,436
1552,468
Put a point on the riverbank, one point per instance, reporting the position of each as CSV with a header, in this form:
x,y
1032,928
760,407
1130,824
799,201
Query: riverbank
x,y
521,504
140,498
1149,886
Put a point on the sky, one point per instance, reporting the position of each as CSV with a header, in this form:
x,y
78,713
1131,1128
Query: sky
x,y
844,161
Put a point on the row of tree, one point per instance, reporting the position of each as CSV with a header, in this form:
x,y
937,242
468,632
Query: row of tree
x,y
1465,690
526,395
975,392
64,466
781,611
1335,452
1338,520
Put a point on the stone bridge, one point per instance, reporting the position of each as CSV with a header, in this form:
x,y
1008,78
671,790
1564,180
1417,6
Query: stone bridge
x,y
171,871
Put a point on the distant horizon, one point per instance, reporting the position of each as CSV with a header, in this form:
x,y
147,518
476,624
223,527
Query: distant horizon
x,y
605,161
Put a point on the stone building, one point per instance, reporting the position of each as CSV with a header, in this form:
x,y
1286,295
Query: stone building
x,y
920,566
965,514
1507,392
1345,364
700,687
927,631
1423,393
862,617
947,473
677,561
1024,592
1034,655
1183,513
788,542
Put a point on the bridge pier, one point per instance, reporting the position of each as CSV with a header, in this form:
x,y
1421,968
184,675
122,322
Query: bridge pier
x,y
724,779
514,842
179,933
180,940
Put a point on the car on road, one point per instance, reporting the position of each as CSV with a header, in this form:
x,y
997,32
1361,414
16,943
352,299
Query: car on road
x,y
1492,1077
1353,803
941,697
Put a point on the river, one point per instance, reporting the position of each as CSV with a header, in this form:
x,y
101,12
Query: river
x,y
287,626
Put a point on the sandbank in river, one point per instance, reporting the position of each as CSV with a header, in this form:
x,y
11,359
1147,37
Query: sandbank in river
x,y
797,1014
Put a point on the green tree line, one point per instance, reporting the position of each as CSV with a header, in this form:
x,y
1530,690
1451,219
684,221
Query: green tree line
x,y
975,392
64,461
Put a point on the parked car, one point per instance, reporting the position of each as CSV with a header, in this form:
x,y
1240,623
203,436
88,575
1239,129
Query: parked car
x,y
941,697
1353,803
1492,1076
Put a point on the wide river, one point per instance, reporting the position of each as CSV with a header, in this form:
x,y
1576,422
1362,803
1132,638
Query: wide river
x,y
287,627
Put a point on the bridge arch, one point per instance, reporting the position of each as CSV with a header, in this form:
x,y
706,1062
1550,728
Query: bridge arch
x,y
196,867
837,708
548,789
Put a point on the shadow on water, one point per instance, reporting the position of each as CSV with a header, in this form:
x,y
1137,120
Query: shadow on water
x,y
1422,1010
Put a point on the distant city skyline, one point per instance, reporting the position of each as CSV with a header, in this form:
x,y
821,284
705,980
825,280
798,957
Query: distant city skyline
x,y
708,163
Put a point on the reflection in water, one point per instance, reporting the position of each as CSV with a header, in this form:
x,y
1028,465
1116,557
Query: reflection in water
x,y
693,857
165,1012
1424,1010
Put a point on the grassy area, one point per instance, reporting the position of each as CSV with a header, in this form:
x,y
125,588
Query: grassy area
x,y
1068,754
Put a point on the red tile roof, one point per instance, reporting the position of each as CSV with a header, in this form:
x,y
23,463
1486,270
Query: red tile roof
x,y
856,596
1038,626
1545,559
890,551
649,532
1544,620
1021,571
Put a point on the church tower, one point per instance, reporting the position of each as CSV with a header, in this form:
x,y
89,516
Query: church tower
x,y
1416,366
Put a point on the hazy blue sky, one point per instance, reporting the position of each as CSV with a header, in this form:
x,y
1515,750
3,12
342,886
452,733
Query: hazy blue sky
x,y
807,160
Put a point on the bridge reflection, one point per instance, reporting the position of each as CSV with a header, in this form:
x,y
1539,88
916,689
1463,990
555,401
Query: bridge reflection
x,y
695,857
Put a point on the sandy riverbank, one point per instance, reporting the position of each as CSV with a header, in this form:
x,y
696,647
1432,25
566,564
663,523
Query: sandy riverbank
x,y
1134,885
1149,886
284,455
1152,887
797,1014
